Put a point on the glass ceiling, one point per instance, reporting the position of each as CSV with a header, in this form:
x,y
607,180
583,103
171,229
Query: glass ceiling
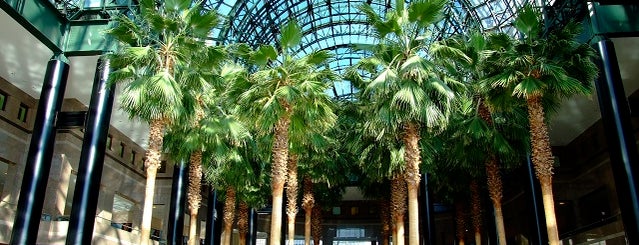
x,y
333,25
336,24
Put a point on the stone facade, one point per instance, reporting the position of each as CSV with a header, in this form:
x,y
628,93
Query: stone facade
x,y
123,176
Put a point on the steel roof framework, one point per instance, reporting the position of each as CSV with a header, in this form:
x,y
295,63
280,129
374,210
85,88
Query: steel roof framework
x,y
336,24
333,25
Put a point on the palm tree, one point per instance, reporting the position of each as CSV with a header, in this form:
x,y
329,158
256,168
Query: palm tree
x,y
316,224
470,58
407,91
285,97
216,133
242,222
200,130
543,70
229,215
291,196
158,45
308,201
460,223
475,211
211,129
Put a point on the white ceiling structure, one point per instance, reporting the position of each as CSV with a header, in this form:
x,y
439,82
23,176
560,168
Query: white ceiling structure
x,y
23,62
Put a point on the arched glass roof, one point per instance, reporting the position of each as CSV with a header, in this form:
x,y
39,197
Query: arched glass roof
x,y
327,24
336,24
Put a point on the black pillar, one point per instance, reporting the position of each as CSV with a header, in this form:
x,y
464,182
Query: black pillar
x,y
540,234
87,188
252,236
622,146
178,200
38,165
426,213
213,219
284,230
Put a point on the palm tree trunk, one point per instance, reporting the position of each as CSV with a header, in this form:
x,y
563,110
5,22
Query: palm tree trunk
x,y
278,177
499,222
153,162
412,158
476,210
242,222
291,197
308,201
461,223
316,228
543,161
229,215
495,186
398,208
495,191
194,196
384,211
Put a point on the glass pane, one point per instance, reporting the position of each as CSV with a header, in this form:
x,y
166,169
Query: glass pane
x,y
121,211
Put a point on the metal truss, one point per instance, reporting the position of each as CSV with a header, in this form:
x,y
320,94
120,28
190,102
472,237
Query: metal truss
x,y
92,10
335,25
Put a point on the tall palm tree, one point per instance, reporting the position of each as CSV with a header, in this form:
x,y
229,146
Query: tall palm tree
x,y
308,201
158,45
285,97
475,211
542,70
199,130
229,214
291,196
242,222
460,222
408,93
238,171
470,58
215,133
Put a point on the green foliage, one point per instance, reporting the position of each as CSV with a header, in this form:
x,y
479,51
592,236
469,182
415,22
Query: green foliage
x,y
291,35
162,57
425,12
404,86
285,86
553,66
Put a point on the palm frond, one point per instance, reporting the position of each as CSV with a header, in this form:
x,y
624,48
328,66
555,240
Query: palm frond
x,y
291,35
425,12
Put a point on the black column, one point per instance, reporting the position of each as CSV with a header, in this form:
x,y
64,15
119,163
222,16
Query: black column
x,y
252,236
178,200
540,233
213,219
622,144
284,231
38,165
426,213
87,188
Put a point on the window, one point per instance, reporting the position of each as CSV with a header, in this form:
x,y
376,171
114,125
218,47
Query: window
x,y
122,145
109,142
162,168
22,112
122,214
133,153
3,100
143,163
156,222
4,175
70,193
